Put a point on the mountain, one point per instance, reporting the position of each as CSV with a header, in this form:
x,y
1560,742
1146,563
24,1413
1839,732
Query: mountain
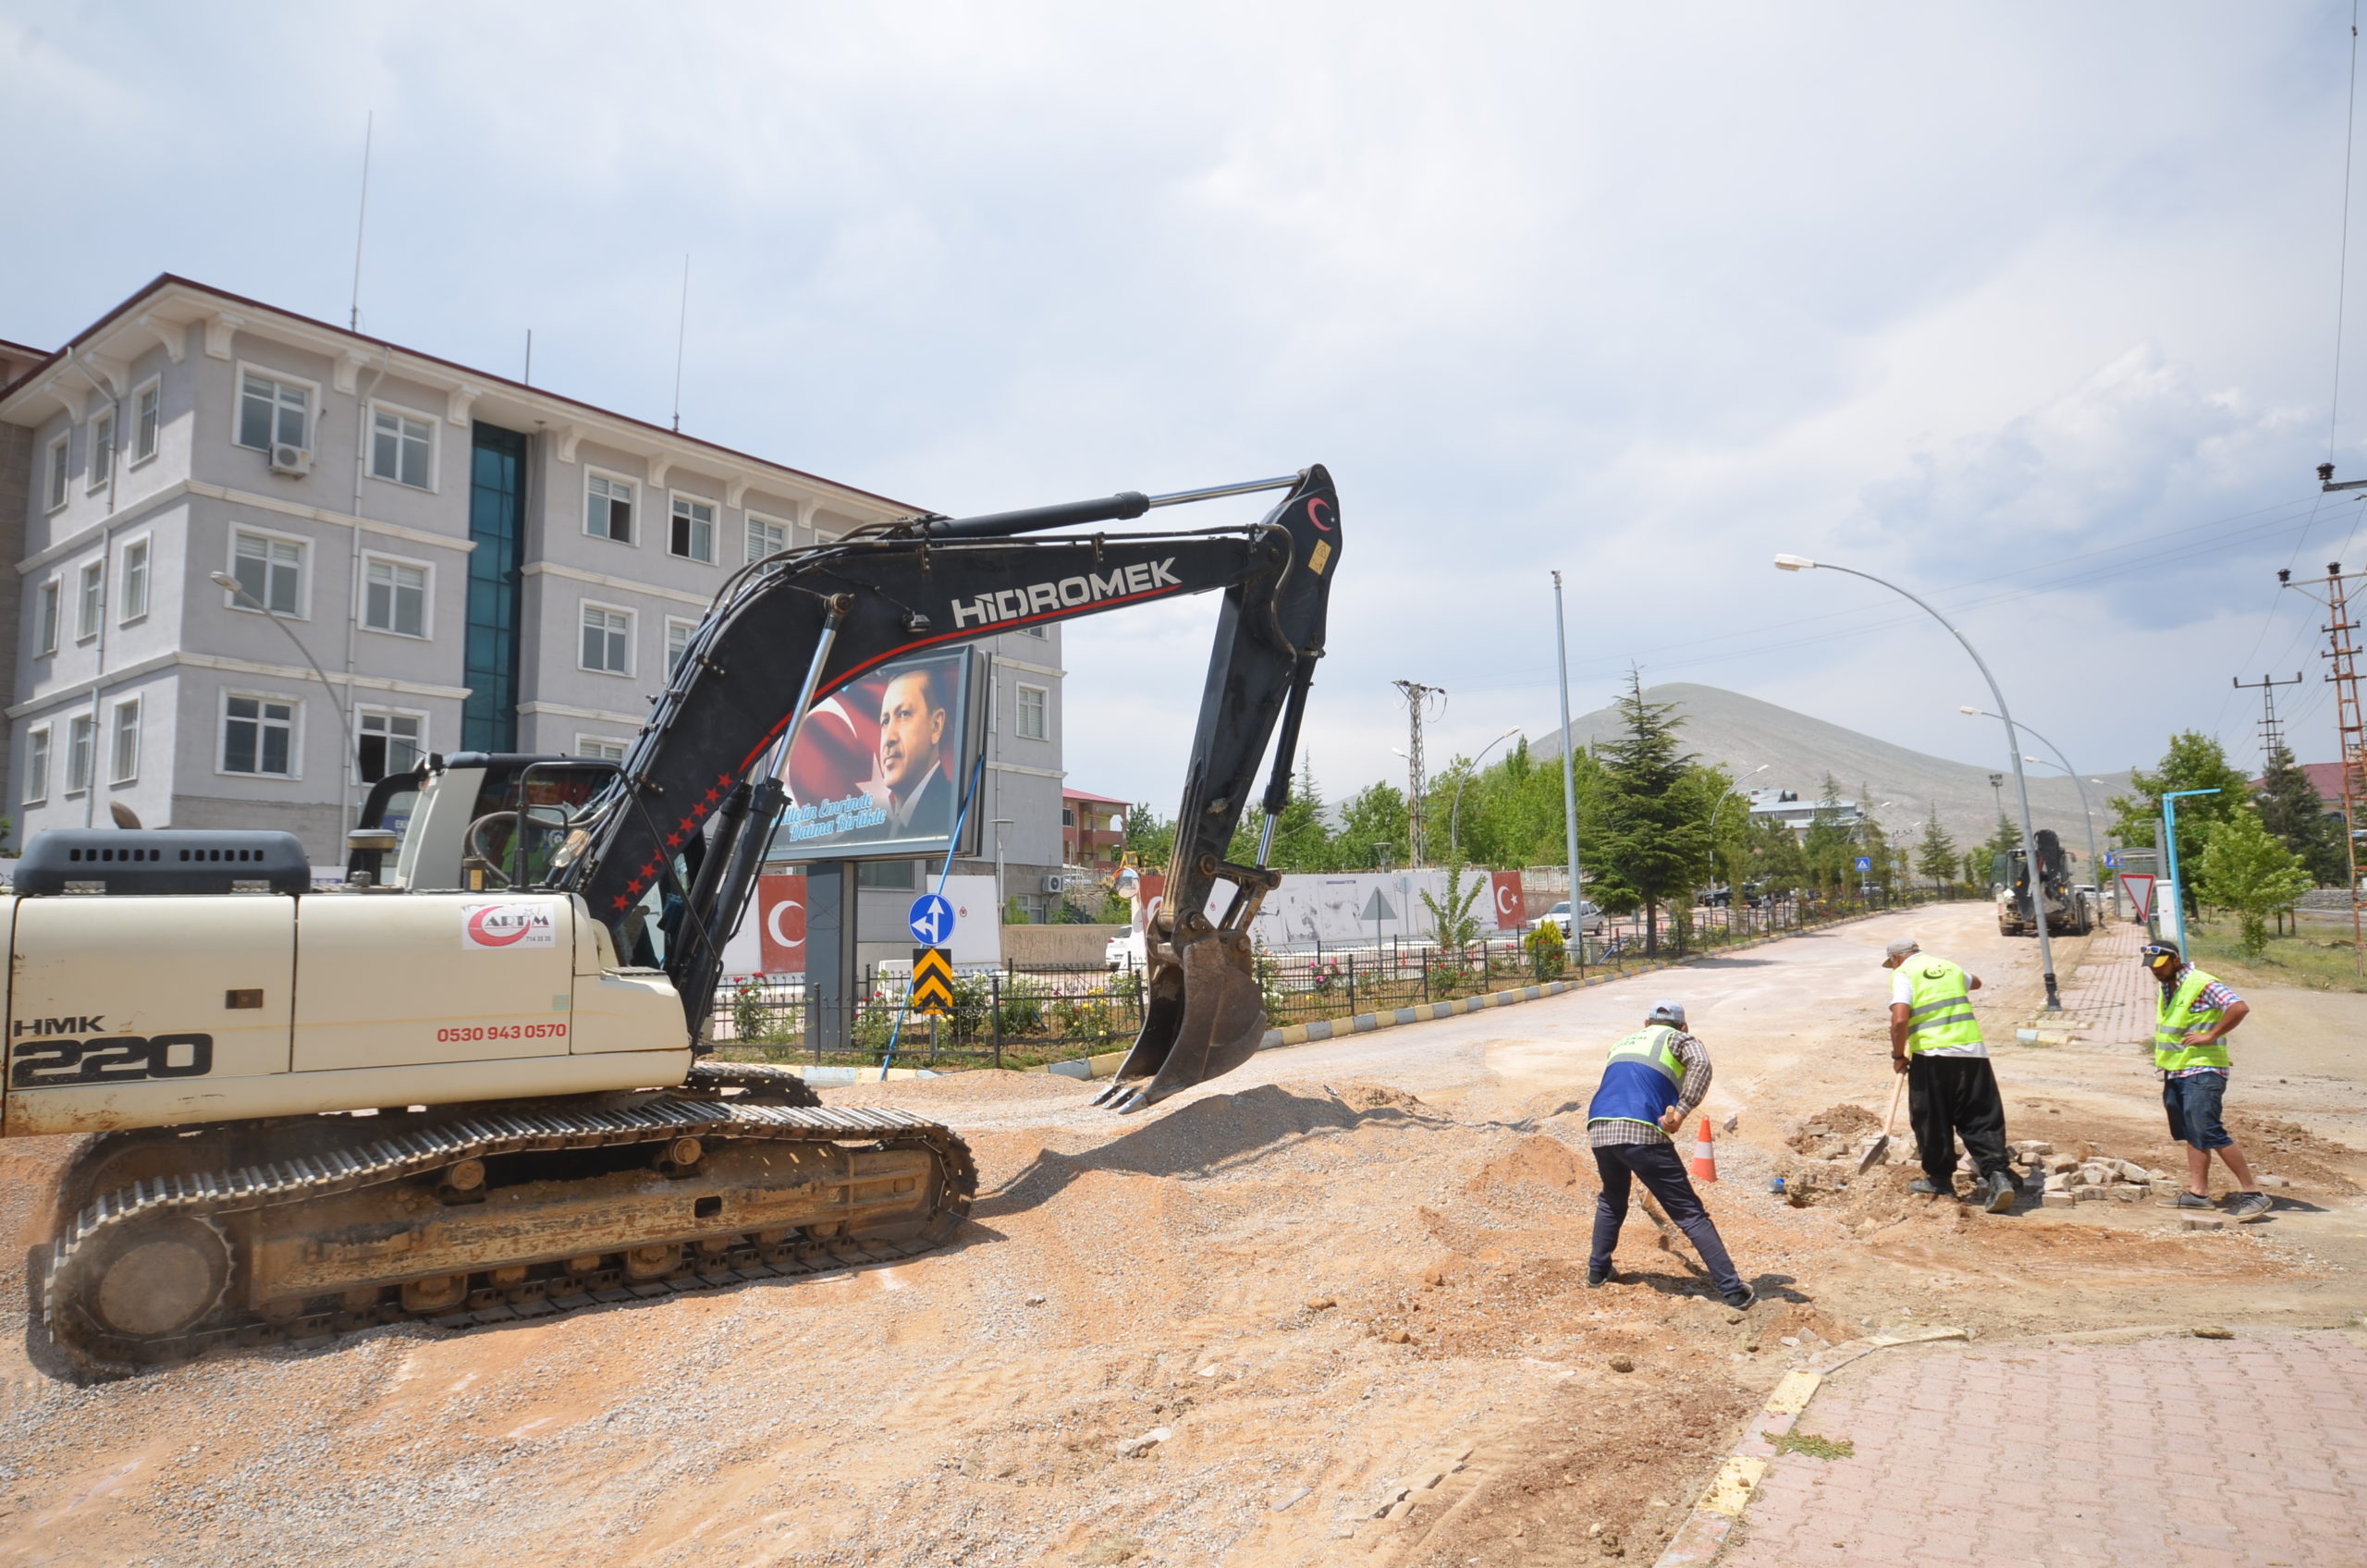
x,y
1767,747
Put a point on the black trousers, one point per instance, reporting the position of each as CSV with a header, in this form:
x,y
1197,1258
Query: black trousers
x,y
1950,1097
1663,1173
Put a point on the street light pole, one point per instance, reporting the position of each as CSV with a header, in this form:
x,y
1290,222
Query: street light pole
x,y
223,580
1569,775
2176,906
1455,815
2095,863
2013,747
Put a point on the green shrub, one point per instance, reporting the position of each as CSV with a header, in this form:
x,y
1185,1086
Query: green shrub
x,y
1547,950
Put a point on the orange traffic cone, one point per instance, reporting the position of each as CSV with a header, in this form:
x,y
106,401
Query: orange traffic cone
x,y
1705,1155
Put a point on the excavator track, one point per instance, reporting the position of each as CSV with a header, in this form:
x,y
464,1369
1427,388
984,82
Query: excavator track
x,y
495,1216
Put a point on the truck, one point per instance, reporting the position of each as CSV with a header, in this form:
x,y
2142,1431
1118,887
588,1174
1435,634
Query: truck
x,y
476,1082
2070,911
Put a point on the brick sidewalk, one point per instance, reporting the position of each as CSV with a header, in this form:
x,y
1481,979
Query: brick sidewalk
x,y
2110,993
2174,1450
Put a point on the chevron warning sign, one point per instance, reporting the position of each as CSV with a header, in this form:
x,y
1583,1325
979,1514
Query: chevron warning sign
x,y
933,981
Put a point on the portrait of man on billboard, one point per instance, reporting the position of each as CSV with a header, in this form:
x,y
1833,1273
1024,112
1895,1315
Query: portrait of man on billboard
x,y
879,762
915,738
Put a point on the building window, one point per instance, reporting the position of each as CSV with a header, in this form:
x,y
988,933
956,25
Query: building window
x,y
270,570
49,597
394,598
607,508
766,537
135,581
693,537
102,464
271,412
607,639
36,766
58,459
1039,632
259,735
79,733
400,448
388,743
147,409
90,597
599,748
123,747
678,642
1034,721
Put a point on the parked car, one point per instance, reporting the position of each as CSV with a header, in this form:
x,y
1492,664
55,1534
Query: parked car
x,y
1589,918
1127,950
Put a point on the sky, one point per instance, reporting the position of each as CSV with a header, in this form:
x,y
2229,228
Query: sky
x,y
2031,310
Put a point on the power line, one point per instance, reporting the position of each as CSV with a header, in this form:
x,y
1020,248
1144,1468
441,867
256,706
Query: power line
x,y
2342,265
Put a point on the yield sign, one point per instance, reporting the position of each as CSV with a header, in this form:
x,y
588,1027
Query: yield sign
x,y
1377,908
2140,888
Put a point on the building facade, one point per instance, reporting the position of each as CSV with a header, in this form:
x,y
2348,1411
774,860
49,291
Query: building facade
x,y
1093,830
413,557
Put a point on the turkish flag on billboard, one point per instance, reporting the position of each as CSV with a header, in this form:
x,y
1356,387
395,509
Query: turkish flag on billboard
x,y
780,911
1511,905
1149,897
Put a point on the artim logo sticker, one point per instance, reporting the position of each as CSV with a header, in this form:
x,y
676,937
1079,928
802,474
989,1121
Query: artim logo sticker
x,y
489,927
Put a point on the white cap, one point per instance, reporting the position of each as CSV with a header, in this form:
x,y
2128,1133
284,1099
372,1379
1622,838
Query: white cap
x,y
1902,946
1666,1012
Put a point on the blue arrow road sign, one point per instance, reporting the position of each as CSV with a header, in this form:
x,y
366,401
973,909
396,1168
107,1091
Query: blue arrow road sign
x,y
2112,858
932,920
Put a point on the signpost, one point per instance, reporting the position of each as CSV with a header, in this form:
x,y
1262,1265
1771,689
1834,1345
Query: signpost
x,y
1377,910
933,981
932,920
2140,886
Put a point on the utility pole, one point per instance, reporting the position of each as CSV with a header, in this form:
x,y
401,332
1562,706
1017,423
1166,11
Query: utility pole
x,y
1997,793
1569,779
1416,695
2350,728
2272,728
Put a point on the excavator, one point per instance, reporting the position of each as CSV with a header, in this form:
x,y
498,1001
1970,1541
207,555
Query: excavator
x,y
475,1082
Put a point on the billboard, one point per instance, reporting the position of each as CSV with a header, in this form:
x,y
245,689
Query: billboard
x,y
880,763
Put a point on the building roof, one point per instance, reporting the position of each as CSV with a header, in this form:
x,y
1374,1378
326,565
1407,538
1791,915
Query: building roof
x,y
2326,776
169,285
1069,794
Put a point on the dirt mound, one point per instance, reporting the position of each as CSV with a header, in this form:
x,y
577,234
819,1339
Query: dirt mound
x,y
1535,1159
2287,1149
1845,1121
1367,1098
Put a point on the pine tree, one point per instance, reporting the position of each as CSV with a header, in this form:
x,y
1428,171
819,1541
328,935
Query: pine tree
x,y
1826,845
1935,853
2293,811
1655,841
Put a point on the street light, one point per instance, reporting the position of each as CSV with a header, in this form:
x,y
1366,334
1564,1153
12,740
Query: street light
x,y
224,581
2176,908
2095,864
2013,749
1455,815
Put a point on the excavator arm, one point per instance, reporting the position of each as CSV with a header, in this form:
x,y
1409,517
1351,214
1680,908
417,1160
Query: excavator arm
x,y
707,768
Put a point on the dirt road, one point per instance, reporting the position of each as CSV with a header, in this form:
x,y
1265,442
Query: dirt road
x,y
1346,1282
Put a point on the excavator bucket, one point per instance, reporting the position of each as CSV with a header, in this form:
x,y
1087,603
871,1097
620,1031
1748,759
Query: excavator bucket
x,y
1205,1017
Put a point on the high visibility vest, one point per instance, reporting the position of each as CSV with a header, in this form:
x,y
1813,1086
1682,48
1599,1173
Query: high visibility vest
x,y
1939,1010
1639,1080
2180,1015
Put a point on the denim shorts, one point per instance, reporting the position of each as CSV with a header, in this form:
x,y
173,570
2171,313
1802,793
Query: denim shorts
x,y
2193,1104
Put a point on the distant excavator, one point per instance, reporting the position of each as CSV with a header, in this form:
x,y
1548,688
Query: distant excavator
x,y
2069,909
472,1083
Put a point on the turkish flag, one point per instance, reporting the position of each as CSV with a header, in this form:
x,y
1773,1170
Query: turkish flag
x,y
1511,905
780,911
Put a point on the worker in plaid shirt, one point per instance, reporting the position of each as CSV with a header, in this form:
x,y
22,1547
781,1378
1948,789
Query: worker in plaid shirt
x,y
2190,1028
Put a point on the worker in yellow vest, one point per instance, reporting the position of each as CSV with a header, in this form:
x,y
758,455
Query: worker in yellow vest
x,y
2190,1027
1951,1088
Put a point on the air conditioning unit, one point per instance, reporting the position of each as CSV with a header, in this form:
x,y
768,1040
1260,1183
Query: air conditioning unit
x,y
286,458
1055,883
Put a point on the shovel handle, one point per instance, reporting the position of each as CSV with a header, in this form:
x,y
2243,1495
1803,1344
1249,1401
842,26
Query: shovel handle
x,y
1897,1088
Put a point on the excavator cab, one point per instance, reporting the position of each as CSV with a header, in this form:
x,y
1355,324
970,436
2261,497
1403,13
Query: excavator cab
x,y
477,821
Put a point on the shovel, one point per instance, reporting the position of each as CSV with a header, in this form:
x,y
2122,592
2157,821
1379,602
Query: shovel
x,y
1882,1144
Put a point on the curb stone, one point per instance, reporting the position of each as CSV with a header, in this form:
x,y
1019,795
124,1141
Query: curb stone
x,y
1704,1532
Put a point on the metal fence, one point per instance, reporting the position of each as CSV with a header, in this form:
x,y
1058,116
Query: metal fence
x,y
1015,1017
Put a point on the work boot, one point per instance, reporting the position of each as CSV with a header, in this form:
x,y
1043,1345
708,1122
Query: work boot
x,y
1997,1193
1924,1186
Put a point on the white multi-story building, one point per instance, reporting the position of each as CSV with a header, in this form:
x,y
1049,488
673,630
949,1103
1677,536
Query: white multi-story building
x,y
472,564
